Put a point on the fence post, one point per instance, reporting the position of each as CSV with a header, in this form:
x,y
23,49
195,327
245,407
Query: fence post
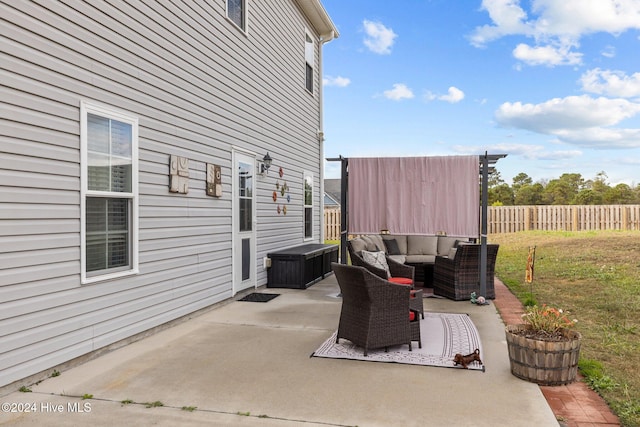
x,y
625,218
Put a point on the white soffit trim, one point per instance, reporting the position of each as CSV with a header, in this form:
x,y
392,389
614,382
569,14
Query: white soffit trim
x,y
318,16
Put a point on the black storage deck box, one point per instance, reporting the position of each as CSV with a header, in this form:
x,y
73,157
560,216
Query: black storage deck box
x,y
301,266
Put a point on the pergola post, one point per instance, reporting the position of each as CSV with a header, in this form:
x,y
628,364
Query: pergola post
x,y
485,169
344,186
483,224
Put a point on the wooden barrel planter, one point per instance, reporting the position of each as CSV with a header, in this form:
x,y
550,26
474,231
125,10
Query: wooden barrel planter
x,y
543,362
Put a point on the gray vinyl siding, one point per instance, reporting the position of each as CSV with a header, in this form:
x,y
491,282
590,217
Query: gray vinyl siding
x,y
199,87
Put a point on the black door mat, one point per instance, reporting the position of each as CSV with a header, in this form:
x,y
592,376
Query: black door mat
x,y
256,297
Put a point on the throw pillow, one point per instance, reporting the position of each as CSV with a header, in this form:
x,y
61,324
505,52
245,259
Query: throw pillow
x,y
376,259
392,247
452,253
371,245
358,245
376,239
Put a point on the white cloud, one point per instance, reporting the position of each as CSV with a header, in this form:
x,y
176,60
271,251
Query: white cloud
x,y
535,152
578,120
527,151
379,38
609,52
507,15
546,55
453,96
603,138
611,83
400,91
555,26
552,155
336,81
579,17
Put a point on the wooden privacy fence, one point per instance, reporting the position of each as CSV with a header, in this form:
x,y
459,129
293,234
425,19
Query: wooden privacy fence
x,y
509,219
332,223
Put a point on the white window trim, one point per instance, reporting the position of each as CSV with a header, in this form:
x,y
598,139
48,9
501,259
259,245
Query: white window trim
x,y
306,175
309,58
91,108
245,17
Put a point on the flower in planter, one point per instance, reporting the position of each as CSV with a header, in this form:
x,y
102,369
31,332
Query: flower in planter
x,y
547,321
544,349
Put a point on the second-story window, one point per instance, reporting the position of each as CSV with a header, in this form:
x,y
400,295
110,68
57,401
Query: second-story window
x,y
237,13
309,55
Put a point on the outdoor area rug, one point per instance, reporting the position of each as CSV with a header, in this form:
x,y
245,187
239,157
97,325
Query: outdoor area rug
x,y
258,297
443,336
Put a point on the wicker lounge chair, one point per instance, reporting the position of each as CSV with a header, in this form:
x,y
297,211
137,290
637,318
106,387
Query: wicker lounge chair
x,y
457,278
397,269
375,312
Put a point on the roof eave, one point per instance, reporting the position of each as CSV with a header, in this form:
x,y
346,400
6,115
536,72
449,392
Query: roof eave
x,y
319,18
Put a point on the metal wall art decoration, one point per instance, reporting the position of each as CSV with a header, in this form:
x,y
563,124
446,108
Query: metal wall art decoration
x,y
283,190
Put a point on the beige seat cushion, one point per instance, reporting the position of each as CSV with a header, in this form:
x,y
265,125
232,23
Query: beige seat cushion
x,y
420,259
372,246
445,243
422,245
377,240
358,245
398,258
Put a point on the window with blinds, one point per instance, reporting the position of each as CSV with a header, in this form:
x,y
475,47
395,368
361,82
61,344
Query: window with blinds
x,y
109,141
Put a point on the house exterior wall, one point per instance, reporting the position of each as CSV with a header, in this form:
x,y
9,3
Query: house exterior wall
x,y
200,88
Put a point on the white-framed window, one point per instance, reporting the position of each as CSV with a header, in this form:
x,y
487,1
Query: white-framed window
x,y
308,205
109,193
309,60
237,13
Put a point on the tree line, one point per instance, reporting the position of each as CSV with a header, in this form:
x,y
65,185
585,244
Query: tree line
x,y
569,189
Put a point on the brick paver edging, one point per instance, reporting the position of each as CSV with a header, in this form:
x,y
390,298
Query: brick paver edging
x,y
575,404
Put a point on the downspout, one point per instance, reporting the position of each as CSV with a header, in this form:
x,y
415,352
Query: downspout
x,y
323,39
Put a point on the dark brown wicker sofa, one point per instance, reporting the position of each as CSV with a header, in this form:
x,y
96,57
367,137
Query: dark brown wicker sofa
x,y
409,250
458,276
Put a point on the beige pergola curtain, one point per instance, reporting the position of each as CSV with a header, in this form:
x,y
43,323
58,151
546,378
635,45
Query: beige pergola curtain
x,y
414,195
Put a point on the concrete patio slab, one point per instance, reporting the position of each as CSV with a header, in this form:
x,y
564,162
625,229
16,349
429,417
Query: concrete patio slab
x,y
249,364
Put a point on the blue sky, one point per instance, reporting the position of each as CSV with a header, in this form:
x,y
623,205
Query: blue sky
x,y
553,84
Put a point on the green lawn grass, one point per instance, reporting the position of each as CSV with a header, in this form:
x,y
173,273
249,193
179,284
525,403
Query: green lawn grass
x,y
596,277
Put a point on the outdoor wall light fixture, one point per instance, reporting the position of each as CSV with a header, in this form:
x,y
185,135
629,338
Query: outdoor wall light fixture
x,y
266,163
